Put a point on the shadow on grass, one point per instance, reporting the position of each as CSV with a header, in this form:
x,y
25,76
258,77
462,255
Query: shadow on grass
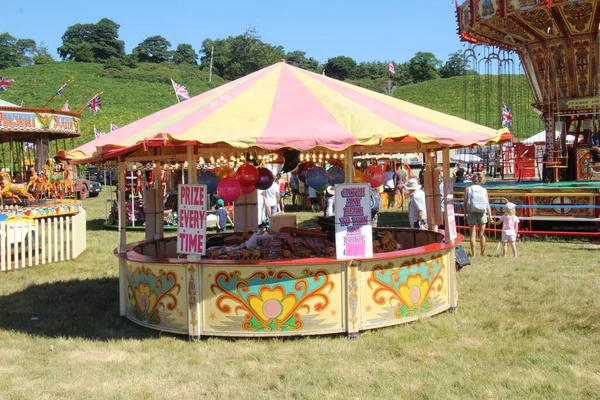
x,y
97,225
79,308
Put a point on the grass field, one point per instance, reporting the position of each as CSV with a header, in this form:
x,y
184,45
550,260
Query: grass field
x,y
525,328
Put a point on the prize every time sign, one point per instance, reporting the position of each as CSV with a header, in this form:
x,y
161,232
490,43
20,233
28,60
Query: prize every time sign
x,y
353,229
191,229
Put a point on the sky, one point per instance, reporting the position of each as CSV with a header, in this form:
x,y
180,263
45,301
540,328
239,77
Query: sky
x,y
366,30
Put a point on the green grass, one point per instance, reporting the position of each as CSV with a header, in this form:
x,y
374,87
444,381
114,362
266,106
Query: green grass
x,y
525,328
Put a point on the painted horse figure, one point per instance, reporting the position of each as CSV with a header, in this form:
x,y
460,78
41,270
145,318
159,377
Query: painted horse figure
x,y
13,190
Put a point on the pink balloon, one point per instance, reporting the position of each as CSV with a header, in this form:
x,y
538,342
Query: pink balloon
x,y
374,175
229,189
248,189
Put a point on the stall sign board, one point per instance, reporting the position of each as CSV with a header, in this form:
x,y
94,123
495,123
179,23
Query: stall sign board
x,y
451,228
191,229
353,229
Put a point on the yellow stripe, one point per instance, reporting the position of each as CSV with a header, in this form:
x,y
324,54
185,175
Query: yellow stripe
x,y
428,114
241,121
365,125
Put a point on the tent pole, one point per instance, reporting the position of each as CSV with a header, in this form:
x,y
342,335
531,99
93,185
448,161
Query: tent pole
x,y
191,162
349,164
159,200
121,209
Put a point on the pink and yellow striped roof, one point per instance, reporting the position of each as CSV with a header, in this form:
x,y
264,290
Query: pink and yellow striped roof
x,y
284,106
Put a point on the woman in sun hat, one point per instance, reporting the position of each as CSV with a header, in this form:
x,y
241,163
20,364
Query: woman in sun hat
x,y
329,201
417,208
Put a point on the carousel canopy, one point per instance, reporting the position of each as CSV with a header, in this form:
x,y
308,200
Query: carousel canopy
x,y
282,106
7,104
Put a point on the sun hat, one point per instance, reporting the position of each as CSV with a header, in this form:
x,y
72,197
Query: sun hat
x,y
412,184
510,205
331,190
220,202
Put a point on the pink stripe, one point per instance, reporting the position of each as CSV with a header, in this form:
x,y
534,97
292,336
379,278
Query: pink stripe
x,y
196,114
299,120
402,119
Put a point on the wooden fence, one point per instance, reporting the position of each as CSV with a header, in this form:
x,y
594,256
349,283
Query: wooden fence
x,y
27,243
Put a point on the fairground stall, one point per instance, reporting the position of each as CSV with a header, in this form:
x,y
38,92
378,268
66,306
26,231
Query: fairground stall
x,y
283,281
39,222
557,44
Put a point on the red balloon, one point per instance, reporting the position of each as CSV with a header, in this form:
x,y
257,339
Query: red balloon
x,y
247,175
374,175
229,189
248,189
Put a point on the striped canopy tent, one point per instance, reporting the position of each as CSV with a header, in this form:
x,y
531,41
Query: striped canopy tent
x,y
283,107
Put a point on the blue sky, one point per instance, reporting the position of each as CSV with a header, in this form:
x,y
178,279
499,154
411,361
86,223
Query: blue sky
x,y
364,30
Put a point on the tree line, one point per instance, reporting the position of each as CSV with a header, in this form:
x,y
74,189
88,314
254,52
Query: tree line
x,y
232,57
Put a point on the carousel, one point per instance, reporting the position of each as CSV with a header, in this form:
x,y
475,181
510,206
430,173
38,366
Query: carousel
x,y
558,47
39,187
284,280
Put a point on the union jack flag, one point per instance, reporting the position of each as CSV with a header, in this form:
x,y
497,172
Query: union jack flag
x,y
65,107
392,68
180,90
98,133
60,89
5,83
113,127
506,116
95,104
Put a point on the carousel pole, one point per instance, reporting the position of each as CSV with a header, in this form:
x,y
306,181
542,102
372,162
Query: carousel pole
x,y
159,202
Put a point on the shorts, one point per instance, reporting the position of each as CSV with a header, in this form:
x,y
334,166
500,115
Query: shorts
x,y
508,238
477,218
282,194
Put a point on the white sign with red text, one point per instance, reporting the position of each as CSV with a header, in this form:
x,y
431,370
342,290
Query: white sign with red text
x,y
191,229
353,229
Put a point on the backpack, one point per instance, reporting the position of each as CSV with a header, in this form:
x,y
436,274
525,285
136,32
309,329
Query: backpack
x,y
375,200
477,200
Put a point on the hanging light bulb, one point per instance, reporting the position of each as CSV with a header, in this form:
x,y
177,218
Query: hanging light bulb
x,y
335,156
251,157
153,165
327,156
274,156
342,156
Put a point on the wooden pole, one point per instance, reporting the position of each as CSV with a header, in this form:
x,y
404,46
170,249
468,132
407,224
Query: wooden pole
x,y
349,164
212,51
121,207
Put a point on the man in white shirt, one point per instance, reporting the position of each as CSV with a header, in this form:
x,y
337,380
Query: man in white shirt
x,y
417,209
272,199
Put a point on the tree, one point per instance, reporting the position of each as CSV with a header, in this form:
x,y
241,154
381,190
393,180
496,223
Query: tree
x,y
423,67
42,55
101,39
9,56
185,53
298,59
240,55
153,49
455,66
340,67
27,49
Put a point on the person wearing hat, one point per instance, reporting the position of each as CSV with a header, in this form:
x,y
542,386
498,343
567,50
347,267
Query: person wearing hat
x,y
222,216
329,201
417,208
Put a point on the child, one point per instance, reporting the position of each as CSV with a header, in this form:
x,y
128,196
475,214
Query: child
x,y
510,225
222,216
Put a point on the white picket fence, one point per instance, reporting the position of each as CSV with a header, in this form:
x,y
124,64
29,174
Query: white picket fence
x,y
26,243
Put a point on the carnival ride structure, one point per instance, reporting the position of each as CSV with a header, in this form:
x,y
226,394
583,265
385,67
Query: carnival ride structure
x,y
558,47
300,289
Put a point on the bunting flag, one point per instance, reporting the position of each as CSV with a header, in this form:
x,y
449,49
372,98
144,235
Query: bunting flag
x,y
5,83
65,106
94,104
506,116
113,127
180,91
98,133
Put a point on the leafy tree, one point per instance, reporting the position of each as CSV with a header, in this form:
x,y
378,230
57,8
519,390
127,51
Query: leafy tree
x,y
9,56
340,67
455,66
153,49
240,55
26,48
298,59
402,77
423,67
42,55
102,39
185,54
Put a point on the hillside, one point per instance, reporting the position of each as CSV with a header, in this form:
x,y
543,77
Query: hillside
x,y
130,94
